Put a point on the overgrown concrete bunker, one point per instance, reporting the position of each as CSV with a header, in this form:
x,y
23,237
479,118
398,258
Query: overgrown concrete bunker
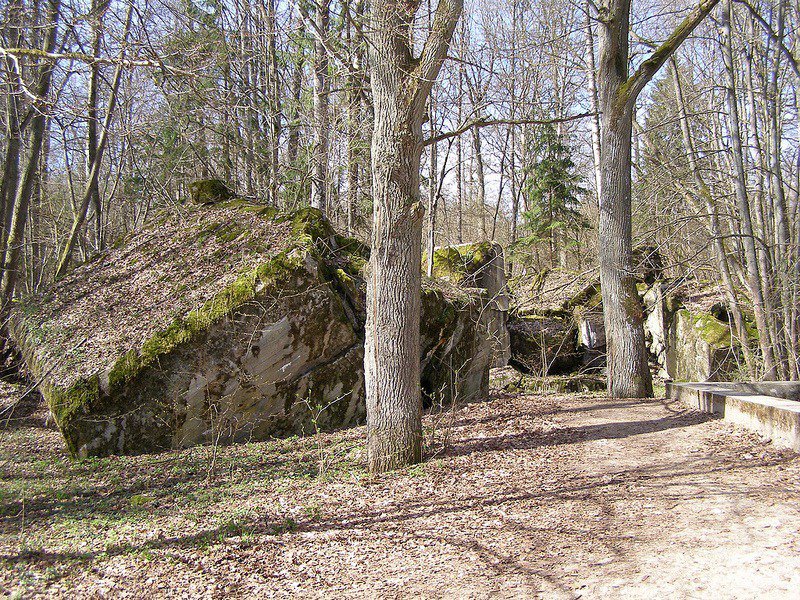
x,y
228,323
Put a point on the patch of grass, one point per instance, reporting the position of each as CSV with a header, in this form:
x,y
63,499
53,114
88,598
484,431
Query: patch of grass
x,y
139,500
286,525
313,511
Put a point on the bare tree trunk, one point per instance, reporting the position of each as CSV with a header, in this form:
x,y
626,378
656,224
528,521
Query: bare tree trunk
x,y
94,173
22,198
459,146
760,204
592,64
98,9
354,116
433,173
10,182
783,256
628,370
319,184
459,191
400,86
293,145
718,244
742,202
274,91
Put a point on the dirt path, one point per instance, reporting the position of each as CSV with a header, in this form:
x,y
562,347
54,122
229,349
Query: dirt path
x,y
548,496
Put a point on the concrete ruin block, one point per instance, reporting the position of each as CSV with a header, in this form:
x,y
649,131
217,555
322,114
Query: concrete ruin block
x,y
224,324
699,348
481,266
209,191
544,345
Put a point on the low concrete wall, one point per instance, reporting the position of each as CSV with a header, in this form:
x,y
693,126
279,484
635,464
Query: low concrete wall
x,y
745,404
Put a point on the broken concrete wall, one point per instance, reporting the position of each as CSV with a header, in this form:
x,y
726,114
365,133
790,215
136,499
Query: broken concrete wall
x,y
226,324
687,344
700,348
545,345
481,266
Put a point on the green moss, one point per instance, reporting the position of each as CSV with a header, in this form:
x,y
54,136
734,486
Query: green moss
x,y
712,330
589,298
209,191
346,281
456,263
479,253
355,253
311,235
308,224
449,264
65,404
199,320
280,268
440,315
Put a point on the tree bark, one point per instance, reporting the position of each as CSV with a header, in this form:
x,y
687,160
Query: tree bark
x,y
319,183
11,163
98,9
628,370
718,244
592,64
400,85
274,95
22,198
742,202
94,173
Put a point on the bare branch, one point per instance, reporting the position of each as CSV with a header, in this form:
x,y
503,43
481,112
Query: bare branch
x,y
793,61
89,60
647,70
435,49
482,122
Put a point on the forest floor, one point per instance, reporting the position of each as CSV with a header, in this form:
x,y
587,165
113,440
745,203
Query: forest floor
x,y
555,496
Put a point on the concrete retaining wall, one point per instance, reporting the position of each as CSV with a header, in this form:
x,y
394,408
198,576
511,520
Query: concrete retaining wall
x,y
774,417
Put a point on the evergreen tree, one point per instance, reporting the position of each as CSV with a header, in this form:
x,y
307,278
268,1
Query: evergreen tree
x,y
553,192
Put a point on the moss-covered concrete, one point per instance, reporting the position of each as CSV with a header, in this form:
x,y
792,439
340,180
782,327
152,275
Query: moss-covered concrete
x,y
209,191
277,348
481,266
700,347
458,264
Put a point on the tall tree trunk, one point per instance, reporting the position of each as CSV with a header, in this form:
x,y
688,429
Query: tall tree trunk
x,y
480,200
354,116
433,176
98,10
94,173
293,145
400,86
760,203
274,94
783,255
717,241
742,201
13,106
319,183
16,233
592,74
628,370
459,147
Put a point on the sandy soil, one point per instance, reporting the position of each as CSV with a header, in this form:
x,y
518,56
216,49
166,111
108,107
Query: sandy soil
x,y
571,496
